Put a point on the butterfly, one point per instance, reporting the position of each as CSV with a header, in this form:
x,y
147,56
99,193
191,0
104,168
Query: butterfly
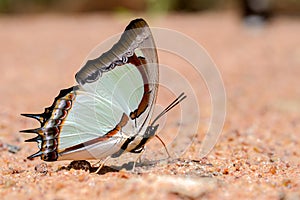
x,y
109,111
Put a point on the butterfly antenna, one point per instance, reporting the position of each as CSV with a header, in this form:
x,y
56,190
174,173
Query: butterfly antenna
x,y
180,98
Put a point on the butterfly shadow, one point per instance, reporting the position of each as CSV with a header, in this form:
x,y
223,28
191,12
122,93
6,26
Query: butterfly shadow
x,y
129,166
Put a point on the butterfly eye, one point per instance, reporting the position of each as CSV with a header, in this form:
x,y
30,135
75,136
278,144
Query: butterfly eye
x,y
153,130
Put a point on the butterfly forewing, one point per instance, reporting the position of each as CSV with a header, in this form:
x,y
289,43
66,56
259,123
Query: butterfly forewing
x,y
113,101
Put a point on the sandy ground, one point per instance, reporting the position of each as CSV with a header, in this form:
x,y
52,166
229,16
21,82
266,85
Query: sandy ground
x,y
257,156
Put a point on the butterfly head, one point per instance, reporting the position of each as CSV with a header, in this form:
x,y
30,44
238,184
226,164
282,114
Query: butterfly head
x,y
153,127
151,130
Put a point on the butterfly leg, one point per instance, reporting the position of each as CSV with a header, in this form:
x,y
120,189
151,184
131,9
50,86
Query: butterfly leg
x,y
102,164
139,158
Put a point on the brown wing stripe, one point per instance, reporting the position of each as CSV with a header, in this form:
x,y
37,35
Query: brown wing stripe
x,y
107,136
140,63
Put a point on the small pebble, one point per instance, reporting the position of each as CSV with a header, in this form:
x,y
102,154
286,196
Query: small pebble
x,y
41,168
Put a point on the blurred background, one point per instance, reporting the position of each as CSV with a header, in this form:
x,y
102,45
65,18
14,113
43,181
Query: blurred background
x,y
291,7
